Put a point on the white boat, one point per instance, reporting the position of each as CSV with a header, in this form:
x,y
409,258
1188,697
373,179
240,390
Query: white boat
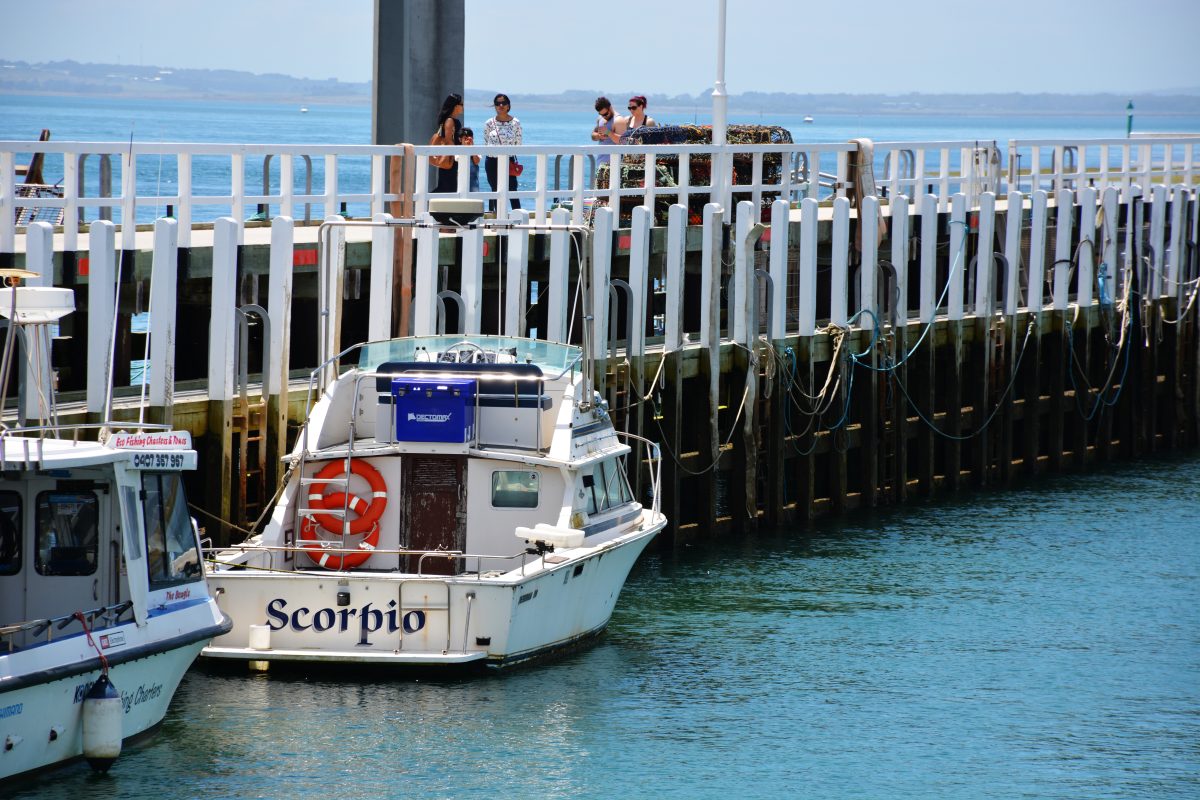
x,y
100,573
807,119
453,500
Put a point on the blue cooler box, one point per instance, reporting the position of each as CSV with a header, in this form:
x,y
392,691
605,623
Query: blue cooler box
x,y
430,410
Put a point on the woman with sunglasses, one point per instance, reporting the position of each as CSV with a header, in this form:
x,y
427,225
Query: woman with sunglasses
x,y
502,130
637,114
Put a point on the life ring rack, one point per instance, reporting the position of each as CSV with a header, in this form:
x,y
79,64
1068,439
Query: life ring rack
x,y
366,522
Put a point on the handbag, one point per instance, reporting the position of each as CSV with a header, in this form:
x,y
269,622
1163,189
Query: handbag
x,y
441,162
515,168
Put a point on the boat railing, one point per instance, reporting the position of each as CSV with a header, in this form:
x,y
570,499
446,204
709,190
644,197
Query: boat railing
x,y
654,463
211,556
106,616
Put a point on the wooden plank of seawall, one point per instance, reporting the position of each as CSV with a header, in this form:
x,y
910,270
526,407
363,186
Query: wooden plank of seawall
x,y
379,316
558,288
710,363
639,280
1158,241
743,487
670,427
924,362
164,274
279,308
1055,355
102,310
602,230
805,462
1190,343
954,386
1080,354
984,388
1030,379
1173,333
1109,241
776,443
1015,213
222,334
899,433
1126,410
870,439
839,280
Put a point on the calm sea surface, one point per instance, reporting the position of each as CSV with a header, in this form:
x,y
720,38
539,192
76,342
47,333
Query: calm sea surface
x,y
1043,643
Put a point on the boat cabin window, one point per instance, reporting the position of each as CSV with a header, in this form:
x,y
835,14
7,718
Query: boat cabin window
x,y
67,533
170,541
10,533
514,489
606,487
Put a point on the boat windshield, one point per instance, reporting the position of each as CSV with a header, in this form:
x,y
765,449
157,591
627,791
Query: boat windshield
x,y
552,357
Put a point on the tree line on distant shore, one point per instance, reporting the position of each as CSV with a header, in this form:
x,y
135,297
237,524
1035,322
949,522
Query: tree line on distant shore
x,y
123,80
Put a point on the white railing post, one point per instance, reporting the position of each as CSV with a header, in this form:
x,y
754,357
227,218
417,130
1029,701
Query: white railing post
x,y
516,283
1061,273
673,271
744,294
183,213
163,299
8,211
472,280
900,239
558,290
928,287
985,301
958,255
1109,239
222,328
868,271
840,262
1176,252
639,277
601,270
710,276
36,383
542,177
806,293
383,248
279,302
102,274
1087,246
1037,251
1158,224
780,229
39,253
129,200
331,186
70,187
424,301
237,208
1012,251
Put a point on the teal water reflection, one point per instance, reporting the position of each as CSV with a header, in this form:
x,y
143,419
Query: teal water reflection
x,y
1040,643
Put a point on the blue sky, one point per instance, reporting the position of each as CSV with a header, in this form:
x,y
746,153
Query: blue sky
x,y
657,46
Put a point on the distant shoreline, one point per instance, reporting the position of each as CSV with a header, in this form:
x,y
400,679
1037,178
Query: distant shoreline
x,y
126,82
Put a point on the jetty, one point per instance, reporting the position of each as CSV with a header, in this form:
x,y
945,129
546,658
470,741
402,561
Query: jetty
x,y
836,326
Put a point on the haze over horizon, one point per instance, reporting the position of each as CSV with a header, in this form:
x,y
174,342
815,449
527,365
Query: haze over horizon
x,y
666,47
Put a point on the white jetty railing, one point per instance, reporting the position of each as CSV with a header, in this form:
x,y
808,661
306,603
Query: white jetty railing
x,y
1042,251
139,182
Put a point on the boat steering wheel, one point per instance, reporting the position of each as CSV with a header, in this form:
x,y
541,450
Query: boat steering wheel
x,y
465,345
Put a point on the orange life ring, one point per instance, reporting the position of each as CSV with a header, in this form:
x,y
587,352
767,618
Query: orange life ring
x,y
315,547
366,519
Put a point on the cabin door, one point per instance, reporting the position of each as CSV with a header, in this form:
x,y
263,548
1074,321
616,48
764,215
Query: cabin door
x,y
435,506
76,553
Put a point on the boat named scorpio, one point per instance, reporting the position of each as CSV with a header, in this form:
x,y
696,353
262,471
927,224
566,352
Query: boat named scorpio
x,y
451,500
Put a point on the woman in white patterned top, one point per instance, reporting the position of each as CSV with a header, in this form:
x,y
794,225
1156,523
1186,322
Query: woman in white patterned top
x,y
502,129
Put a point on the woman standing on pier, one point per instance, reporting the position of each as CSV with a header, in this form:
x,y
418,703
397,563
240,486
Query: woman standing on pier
x,y
637,114
449,132
502,129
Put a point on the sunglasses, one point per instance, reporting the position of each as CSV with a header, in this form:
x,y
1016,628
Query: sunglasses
x,y
634,108
504,103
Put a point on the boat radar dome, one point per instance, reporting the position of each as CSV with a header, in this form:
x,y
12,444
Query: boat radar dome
x,y
36,304
455,211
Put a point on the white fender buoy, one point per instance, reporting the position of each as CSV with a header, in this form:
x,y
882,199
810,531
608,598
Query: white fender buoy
x,y
102,713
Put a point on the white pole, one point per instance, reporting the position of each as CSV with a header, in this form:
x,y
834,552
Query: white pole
x,y
719,111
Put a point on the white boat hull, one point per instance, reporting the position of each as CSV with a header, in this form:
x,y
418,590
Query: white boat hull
x,y
41,715
403,619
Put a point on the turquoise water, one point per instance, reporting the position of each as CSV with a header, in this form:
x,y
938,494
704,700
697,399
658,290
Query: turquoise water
x,y
1043,642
